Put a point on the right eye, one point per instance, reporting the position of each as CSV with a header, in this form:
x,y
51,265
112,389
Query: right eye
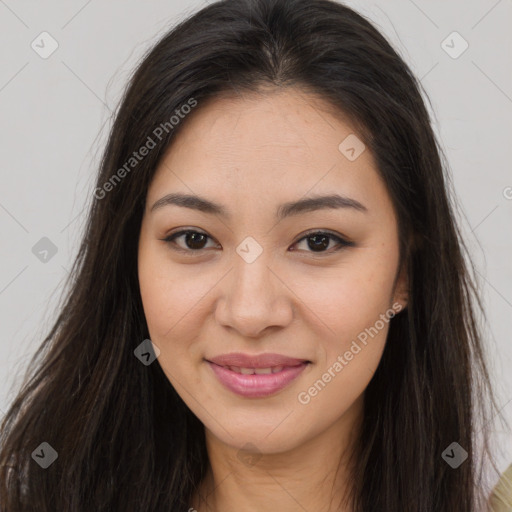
x,y
194,240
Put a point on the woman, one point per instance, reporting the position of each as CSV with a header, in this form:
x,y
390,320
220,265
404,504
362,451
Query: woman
x,y
270,308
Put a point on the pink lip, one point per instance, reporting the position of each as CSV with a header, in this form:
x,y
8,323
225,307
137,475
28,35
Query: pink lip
x,y
256,386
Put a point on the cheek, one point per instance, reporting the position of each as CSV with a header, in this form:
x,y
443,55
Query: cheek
x,y
349,297
355,306
350,305
166,292
175,303
171,311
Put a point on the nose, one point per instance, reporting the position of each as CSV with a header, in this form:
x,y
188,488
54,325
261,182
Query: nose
x,y
254,298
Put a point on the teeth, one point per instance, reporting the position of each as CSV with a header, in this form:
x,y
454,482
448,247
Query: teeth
x,y
258,371
261,371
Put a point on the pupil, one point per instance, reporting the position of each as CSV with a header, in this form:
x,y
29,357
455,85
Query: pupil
x,y
192,238
323,244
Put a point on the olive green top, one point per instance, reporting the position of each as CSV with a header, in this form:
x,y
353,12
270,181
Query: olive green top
x,y
501,495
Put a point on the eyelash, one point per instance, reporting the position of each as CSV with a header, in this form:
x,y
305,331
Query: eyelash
x,y
341,241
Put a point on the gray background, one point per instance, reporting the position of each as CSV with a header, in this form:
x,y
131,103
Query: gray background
x,y
55,116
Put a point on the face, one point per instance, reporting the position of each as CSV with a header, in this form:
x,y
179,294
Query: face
x,y
314,282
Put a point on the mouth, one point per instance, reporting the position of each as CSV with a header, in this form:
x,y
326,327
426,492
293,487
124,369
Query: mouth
x,y
256,371
256,380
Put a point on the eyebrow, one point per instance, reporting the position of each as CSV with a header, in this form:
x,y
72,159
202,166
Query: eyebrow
x,y
309,204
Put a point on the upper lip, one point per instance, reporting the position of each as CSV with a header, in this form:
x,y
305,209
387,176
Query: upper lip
x,y
256,361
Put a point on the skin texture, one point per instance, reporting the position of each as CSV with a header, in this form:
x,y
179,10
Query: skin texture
x,y
250,154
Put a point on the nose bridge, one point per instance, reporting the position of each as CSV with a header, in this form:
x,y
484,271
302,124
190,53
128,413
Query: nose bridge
x,y
253,300
251,260
252,277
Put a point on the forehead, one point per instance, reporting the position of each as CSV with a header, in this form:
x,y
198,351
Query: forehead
x,y
282,143
286,122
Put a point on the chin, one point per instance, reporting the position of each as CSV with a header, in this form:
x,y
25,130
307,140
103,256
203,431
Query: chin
x,y
259,437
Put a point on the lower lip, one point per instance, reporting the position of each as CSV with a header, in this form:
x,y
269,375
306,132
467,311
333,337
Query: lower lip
x,y
256,386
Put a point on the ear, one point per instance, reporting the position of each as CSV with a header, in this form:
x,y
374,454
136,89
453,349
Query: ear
x,y
401,290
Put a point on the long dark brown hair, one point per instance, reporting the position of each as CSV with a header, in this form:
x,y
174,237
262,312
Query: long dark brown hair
x,y
125,440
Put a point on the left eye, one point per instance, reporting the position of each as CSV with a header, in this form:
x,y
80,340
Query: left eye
x,y
318,241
